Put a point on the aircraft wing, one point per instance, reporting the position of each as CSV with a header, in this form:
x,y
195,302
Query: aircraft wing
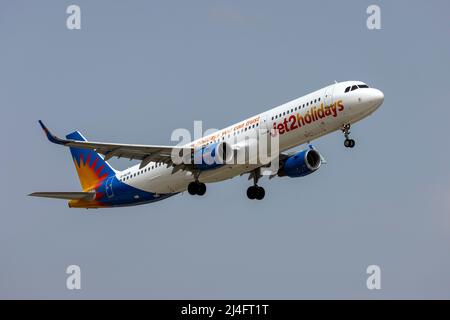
x,y
145,153
65,195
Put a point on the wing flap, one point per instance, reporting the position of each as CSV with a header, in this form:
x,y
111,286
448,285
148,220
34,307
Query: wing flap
x,y
65,195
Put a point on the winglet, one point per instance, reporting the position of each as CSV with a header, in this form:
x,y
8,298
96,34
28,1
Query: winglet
x,y
50,136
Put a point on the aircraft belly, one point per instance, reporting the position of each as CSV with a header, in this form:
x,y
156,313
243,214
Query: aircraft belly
x,y
168,182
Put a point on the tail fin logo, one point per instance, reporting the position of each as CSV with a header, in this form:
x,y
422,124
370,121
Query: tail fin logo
x,y
92,169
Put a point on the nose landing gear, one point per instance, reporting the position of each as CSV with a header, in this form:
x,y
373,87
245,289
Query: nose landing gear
x,y
348,143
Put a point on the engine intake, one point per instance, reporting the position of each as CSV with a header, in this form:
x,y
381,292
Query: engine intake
x,y
301,164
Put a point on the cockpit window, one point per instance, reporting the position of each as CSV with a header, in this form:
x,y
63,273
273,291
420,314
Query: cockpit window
x,y
356,87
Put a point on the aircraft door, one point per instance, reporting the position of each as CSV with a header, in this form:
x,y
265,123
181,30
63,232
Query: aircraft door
x,y
269,141
264,124
328,97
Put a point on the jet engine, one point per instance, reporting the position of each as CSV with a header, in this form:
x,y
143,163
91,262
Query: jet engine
x,y
301,164
212,156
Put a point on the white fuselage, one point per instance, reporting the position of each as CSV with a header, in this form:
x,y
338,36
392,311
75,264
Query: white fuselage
x,y
298,121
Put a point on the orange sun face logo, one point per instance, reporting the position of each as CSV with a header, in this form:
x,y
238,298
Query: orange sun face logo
x,y
88,173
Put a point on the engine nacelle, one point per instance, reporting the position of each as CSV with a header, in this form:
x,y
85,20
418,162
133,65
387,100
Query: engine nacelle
x,y
212,156
301,164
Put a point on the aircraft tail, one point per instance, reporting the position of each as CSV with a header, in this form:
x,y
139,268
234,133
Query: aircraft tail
x,y
92,169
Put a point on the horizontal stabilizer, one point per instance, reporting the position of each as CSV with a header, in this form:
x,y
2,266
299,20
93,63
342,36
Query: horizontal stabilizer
x,y
65,195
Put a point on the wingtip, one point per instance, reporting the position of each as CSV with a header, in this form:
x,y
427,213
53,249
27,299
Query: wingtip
x,y
43,126
49,135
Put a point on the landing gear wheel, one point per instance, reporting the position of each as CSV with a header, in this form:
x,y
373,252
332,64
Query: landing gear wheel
x,y
193,188
349,143
255,192
201,189
196,188
251,192
352,143
260,193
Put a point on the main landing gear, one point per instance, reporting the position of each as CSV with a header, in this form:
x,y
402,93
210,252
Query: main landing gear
x,y
348,143
196,188
255,191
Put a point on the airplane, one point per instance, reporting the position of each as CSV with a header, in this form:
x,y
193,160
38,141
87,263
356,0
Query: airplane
x,y
157,176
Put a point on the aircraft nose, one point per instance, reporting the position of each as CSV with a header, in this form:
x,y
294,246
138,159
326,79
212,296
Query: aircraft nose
x,y
375,97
